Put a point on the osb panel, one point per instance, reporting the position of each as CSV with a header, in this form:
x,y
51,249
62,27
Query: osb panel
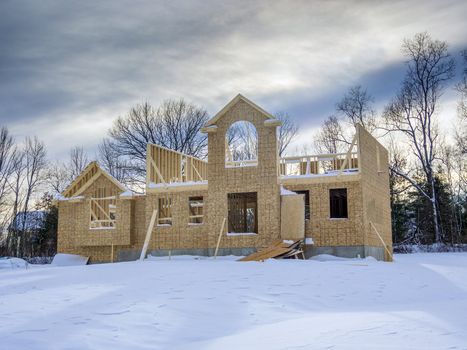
x,y
324,230
74,221
368,200
375,189
293,217
180,234
261,179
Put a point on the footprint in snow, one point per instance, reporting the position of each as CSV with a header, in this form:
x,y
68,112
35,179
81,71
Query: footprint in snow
x,y
32,330
112,313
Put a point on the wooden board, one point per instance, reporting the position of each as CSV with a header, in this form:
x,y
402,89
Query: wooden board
x,y
277,249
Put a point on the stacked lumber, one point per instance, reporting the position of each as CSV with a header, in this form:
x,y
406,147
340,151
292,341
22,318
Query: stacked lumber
x,y
278,250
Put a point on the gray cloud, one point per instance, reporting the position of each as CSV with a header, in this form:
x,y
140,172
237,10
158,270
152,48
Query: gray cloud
x,y
67,69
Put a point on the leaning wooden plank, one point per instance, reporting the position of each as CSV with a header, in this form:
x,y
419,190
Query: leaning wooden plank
x,y
264,251
219,238
290,254
275,249
264,255
148,235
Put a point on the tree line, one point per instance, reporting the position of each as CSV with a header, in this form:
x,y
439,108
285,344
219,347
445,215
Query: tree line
x,y
428,168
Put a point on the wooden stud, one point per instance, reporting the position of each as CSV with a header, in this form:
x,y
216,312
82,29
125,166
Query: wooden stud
x,y
148,235
219,238
382,241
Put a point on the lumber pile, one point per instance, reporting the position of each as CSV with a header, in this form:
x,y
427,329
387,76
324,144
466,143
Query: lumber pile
x,y
278,250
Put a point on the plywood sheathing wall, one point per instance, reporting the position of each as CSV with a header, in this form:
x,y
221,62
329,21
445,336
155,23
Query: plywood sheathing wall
x,y
375,189
261,179
169,166
327,232
180,234
74,233
293,217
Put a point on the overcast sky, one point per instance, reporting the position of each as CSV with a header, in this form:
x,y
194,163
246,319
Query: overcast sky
x,y
68,68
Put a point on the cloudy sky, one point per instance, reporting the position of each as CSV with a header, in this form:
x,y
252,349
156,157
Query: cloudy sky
x,y
68,68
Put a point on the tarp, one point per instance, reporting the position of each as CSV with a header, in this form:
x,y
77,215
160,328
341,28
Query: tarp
x,y
69,260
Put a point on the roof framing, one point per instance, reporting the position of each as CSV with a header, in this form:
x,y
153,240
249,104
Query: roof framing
x,y
235,100
87,177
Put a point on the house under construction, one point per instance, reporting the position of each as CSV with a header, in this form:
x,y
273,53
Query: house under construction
x,y
335,203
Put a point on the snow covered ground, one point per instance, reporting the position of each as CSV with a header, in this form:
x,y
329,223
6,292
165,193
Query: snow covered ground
x,y
417,302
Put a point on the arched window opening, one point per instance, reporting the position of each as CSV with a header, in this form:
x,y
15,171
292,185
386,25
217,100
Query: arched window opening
x,y
241,145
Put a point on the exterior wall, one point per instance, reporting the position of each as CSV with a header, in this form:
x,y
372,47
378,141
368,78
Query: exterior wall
x,y
261,179
375,190
75,235
367,194
327,232
180,235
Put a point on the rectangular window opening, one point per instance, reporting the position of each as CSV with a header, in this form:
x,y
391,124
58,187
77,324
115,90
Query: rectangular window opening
x,y
338,203
195,210
165,211
103,209
242,212
306,198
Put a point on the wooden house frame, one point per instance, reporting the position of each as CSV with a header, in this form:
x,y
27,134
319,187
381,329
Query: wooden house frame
x,y
336,203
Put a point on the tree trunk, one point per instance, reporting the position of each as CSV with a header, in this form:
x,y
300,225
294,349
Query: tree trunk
x,y
434,207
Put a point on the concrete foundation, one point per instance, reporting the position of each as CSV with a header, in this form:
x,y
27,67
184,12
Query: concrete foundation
x,y
346,251
134,254
340,251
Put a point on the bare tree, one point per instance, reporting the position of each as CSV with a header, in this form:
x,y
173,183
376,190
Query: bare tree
x,y
453,166
15,183
241,141
287,132
60,174
34,166
58,177
461,129
175,125
331,138
113,163
412,112
78,161
356,108
7,150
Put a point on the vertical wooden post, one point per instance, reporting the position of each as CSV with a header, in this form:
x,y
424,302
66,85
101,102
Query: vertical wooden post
x,y
148,164
385,246
112,253
148,235
219,238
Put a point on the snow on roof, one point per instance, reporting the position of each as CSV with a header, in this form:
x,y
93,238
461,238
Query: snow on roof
x,y
62,198
177,184
127,193
329,173
286,192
